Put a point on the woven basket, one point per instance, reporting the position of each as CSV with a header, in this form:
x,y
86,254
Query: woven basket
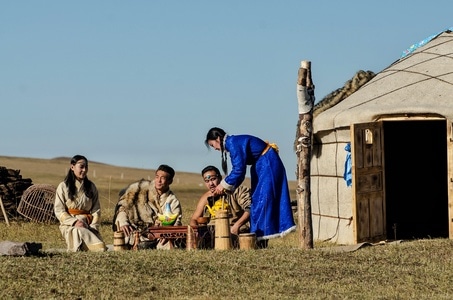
x,y
37,203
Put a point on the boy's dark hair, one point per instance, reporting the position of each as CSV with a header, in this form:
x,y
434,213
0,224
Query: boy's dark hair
x,y
211,168
168,170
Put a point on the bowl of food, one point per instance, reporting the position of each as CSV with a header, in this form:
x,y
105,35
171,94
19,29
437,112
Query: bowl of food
x,y
166,219
203,220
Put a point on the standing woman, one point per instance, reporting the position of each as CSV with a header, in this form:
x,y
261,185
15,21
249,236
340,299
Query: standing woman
x,y
78,210
270,215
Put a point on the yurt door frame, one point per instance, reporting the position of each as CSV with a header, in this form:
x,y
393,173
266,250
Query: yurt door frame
x,y
402,179
450,176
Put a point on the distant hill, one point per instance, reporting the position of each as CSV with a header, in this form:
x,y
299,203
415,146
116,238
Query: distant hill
x,y
52,171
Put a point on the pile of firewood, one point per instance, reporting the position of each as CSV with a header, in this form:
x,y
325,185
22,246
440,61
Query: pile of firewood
x,y
12,186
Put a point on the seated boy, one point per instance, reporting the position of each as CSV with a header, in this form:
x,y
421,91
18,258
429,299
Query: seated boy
x,y
141,204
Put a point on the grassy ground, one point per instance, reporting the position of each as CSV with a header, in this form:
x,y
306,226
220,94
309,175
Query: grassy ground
x,y
420,269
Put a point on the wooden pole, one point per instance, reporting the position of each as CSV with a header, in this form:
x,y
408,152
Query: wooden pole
x,y
305,99
4,212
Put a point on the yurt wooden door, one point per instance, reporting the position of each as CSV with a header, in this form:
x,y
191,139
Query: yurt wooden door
x,y
368,182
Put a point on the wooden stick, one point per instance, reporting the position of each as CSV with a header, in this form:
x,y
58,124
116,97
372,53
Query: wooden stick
x,y
4,212
136,240
305,95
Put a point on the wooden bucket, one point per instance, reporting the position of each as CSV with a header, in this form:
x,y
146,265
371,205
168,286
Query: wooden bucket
x,y
222,231
247,241
119,243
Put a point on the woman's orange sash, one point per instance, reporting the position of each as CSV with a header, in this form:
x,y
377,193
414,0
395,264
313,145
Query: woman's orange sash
x,y
87,214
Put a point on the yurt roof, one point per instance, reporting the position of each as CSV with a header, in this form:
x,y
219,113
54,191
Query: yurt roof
x,y
420,82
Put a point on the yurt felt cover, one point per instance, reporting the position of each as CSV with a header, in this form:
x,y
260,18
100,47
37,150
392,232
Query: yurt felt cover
x,y
419,83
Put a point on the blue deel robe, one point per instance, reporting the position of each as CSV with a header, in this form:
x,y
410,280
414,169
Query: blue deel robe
x,y
271,215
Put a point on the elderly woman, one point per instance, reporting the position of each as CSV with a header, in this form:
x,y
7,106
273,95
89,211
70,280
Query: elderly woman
x,y
78,210
270,215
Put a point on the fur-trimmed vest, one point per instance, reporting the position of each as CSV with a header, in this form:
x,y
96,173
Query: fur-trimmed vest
x,y
139,204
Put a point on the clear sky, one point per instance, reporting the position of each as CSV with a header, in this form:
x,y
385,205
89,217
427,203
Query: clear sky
x,y
139,83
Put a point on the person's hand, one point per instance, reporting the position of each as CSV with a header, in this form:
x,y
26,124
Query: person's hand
x,y
234,229
127,229
80,223
219,190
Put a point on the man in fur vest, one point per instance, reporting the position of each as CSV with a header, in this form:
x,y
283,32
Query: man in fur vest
x,y
141,204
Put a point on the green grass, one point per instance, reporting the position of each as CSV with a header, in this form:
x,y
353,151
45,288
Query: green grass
x,y
420,269
410,270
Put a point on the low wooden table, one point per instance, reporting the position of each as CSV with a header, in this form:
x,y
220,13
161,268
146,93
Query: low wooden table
x,y
203,234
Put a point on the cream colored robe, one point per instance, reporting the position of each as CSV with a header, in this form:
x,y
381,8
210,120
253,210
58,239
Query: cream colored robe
x,y
77,238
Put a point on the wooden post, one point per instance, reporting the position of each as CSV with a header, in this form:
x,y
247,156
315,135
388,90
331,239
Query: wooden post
x,y
4,211
306,99
136,240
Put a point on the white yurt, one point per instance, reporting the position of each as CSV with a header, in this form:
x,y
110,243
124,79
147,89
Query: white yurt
x,y
382,164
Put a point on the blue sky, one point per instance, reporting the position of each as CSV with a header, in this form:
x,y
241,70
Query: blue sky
x,y
139,83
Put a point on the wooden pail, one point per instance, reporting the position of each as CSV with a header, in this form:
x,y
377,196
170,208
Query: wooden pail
x,y
222,231
247,241
119,243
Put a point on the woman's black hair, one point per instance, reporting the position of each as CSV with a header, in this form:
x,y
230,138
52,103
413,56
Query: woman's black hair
x,y
212,135
70,180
